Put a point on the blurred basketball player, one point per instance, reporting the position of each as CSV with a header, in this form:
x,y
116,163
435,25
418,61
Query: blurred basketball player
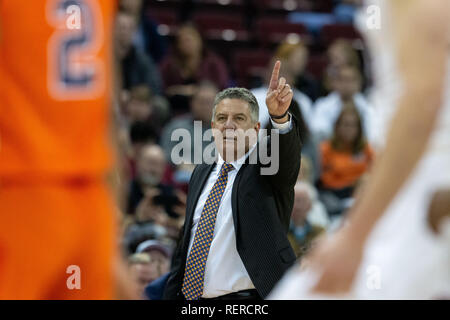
x,y
57,220
396,243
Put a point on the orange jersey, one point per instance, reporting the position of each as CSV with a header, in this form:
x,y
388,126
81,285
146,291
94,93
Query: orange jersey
x,y
343,169
55,85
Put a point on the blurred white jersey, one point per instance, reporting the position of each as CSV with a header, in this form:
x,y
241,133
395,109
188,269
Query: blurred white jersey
x,y
403,258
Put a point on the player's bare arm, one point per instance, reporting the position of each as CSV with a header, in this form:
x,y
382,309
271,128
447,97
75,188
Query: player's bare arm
x,y
422,68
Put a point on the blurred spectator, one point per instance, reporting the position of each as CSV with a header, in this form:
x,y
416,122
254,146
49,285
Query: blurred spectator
x,y
287,56
137,67
136,232
309,218
340,53
294,57
141,270
188,64
310,153
150,167
345,10
201,104
139,105
147,37
150,200
140,134
327,109
151,261
159,253
344,159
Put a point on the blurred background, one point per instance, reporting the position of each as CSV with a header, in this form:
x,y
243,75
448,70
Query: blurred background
x,y
175,56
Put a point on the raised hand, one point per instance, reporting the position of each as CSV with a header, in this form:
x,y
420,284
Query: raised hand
x,y
279,95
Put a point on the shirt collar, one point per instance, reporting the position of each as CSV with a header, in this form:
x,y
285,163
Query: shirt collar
x,y
237,164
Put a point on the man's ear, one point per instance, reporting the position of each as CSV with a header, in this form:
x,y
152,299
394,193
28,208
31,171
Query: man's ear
x,y
257,126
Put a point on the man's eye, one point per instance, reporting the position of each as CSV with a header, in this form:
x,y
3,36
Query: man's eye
x,y
240,118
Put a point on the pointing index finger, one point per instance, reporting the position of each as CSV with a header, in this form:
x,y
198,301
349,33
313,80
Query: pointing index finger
x,y
275,74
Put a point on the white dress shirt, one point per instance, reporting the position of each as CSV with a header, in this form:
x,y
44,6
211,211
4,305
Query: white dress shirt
x,y
328,109
225,272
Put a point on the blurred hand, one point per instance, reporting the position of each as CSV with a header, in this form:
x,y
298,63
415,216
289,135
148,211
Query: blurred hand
x,y
336,259
279,94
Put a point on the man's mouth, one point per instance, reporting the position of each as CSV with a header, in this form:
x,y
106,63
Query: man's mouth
x,y
230,138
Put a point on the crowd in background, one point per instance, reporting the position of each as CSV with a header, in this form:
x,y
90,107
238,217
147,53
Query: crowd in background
x,y
170,72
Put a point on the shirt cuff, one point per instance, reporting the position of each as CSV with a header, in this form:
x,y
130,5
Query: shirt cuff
x,y
283,127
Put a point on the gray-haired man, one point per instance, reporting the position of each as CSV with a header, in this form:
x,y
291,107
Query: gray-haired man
x,y
234,244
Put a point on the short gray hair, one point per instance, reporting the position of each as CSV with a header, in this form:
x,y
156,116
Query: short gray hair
x,y
241,94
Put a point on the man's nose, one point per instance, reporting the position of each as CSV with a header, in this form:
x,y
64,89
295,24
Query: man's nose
x,y
230,124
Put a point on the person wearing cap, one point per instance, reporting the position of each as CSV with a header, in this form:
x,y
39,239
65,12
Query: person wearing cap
x,y
150,262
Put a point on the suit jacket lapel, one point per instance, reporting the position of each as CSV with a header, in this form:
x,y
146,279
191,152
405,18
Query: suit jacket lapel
x,y
197,188
235,191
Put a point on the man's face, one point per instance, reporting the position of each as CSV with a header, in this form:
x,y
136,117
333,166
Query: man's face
x,y
297,61
138,110
151,165
125,28
132,6
143,274
347,129
348,82
202,104
189,42
233,129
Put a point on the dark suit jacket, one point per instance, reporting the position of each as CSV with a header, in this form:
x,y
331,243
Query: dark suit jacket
x,y
262,207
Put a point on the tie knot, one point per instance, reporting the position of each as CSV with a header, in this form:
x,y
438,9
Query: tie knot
x,y
226,167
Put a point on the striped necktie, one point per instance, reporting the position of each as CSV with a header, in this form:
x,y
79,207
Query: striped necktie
x,y
192,288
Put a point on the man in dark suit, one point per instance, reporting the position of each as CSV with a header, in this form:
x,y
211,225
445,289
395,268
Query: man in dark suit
x,y
234,242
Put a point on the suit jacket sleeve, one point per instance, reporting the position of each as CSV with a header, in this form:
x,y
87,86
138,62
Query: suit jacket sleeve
x,y
283,181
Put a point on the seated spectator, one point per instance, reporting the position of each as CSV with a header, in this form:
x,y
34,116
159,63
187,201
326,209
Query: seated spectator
x,y
297,62
348,90
136,67
310,153
141,106
345,158
309,218
139,135
138,106
345,10
340,53
201,106
151,261
150,200
147,37
155,290
159,253
150,166
188,64
136,232
294,58
287,54
141,270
